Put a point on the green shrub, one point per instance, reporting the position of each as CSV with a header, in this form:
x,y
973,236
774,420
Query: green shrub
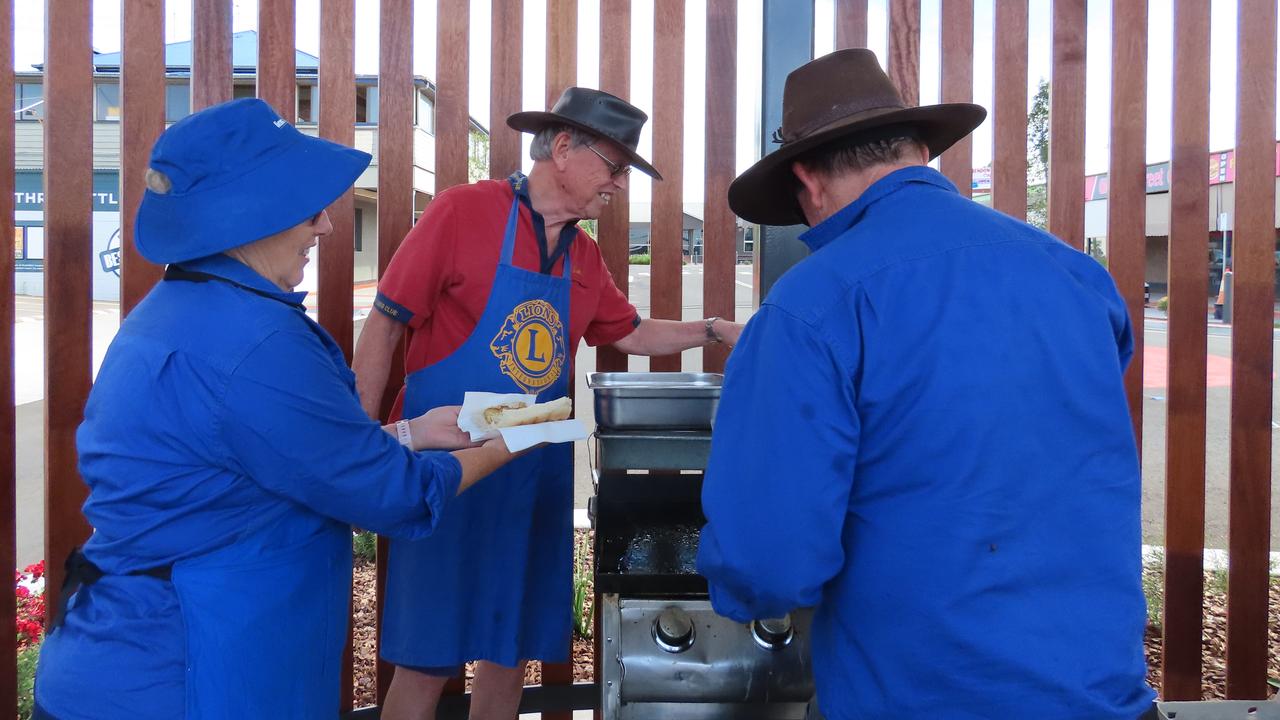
x,y
364,545
582,588
1163,304
639,260
1153,587
27,658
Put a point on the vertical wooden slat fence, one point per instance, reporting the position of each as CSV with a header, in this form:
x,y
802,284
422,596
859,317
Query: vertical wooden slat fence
x,y
1127,195
1252,351
615,78
720,239
68,133
1188,288
562,47
68,184
337,123
395,203
1009,161
452,127
957,86
1066,123
562,72
210,53
8,416
904,49
666,240
851,24
142,111
335,252
506,73
277,71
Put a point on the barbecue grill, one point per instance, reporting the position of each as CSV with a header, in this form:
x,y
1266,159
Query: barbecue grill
x,y
664,652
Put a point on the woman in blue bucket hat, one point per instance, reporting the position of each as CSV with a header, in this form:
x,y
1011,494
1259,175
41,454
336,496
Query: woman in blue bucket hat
x,y
226,452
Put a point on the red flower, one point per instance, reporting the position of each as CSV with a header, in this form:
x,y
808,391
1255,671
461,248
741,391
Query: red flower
x,y
24,591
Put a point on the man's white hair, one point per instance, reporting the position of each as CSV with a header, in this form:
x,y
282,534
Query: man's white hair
x,y
540,149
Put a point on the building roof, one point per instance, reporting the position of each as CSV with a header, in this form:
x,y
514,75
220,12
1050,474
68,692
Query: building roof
x,y
244,56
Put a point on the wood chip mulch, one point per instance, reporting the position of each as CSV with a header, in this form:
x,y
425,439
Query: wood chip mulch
x,y
1213,657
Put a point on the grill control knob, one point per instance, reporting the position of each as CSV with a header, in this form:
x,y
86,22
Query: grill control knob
x,y
673,630
772,633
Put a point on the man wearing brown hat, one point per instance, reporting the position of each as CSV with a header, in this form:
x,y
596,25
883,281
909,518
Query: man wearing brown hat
x,y
496,286
923,432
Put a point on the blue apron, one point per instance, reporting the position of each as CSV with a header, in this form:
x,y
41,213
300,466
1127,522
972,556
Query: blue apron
x,y
265,617
493,582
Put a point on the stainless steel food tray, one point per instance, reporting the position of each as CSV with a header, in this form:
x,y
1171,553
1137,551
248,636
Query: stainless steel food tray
x,y
655,401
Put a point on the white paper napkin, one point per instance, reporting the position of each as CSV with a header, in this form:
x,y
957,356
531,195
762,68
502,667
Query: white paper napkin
x,y
471,420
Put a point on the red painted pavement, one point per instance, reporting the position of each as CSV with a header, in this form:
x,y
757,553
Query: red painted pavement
x,y
1155,369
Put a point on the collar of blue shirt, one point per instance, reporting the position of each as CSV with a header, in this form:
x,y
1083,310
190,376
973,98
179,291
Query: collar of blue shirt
x,y
848,216
225,266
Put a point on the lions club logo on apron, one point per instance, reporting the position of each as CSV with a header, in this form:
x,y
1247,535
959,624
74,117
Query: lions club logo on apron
x,y
530,346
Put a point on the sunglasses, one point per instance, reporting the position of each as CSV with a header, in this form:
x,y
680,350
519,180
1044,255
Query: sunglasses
x,y
615,170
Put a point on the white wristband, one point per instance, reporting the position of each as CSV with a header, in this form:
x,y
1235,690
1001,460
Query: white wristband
x,y
403,434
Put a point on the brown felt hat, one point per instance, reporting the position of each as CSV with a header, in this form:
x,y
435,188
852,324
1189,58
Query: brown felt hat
x,y
598,113
835,97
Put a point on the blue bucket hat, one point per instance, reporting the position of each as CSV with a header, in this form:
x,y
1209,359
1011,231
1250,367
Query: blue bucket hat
x,y
234,173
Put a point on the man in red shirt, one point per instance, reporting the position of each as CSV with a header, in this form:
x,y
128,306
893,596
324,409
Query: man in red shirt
x,y
497,285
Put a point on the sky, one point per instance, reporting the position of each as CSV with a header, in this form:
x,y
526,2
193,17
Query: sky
x,y
29,49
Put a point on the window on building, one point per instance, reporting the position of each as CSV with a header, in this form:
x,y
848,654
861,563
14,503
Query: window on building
x,y
177,101
425,113
308,104
359,230
28,101
28,242
243,91
367,104
106,98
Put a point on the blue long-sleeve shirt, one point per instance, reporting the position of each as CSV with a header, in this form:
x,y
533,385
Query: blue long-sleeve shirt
x,y
923,432
219,413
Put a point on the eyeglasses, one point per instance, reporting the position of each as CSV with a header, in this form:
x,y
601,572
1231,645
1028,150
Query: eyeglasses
x,y
615,170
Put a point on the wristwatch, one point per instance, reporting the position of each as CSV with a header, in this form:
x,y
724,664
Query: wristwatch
x,y
712,335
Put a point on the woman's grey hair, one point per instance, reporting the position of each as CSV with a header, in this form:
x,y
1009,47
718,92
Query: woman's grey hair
x,y
540,149
859,153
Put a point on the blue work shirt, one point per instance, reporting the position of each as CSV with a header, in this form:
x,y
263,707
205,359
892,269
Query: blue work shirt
x,y
220,414
923,433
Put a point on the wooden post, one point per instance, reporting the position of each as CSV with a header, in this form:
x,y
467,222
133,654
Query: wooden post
x,y
1252,348
1009,164
142,103
957,86
667,217
720,226
615,78
210,53
1188,309
277,66
68,289
904,49
1127,194
506,71
1066,123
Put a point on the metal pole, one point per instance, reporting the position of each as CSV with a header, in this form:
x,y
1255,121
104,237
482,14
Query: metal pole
x,y
788,44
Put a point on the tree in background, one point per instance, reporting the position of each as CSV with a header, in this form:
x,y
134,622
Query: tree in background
x,y
477,156
1038,158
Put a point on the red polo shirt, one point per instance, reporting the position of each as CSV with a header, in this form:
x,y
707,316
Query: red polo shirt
x,y
438,283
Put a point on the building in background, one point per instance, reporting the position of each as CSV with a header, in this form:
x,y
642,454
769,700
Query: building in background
x,y
28,107
1218,223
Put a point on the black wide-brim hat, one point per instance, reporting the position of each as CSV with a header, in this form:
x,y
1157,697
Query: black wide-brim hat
x,y
598,113
837,96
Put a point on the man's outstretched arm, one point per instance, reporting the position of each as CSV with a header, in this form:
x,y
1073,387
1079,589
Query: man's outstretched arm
x,y
372,359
